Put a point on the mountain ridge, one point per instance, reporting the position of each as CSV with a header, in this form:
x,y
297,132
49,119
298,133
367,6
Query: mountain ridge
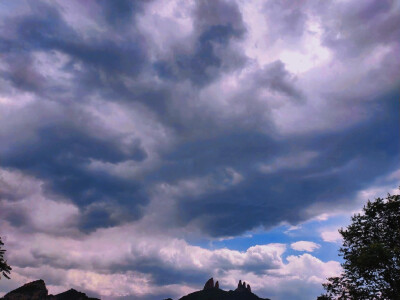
x,y
37,290
212,291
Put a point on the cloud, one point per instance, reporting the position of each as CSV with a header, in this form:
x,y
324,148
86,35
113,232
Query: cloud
x,y
130,257
285,21
300,278
210,53
332,236
141,265
305,246
97,131
348,37
25,205
298,160
107,134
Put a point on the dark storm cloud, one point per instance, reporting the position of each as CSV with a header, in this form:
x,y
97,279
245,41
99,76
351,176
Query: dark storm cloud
x,y
120,12
164,274
209,138
59,154
275,77
204,64
23,76
59,151
346,163
238,149
15,217
216,24
354,28
44,29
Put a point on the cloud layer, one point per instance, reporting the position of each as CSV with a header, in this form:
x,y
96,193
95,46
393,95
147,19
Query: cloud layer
x,y
144,126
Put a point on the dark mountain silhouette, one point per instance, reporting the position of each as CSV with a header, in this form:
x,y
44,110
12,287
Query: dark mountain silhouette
x,y
213,292
36,290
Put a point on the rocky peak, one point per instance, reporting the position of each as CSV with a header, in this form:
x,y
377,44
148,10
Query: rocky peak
x,y
243,287
213,292
35,290
73,294
209,284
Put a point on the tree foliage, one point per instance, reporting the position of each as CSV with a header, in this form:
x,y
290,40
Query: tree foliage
x,y
5,269
371,251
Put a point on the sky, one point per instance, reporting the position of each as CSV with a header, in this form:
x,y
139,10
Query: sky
x,y
146,146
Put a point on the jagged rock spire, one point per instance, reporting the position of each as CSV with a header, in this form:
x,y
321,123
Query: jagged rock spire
x,y
243,287
209,284
217,285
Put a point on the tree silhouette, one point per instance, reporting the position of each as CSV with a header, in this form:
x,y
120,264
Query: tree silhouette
x,y
4,267
371,250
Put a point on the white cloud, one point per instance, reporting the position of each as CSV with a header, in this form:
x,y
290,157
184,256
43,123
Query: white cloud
x,y
300,278
305,246
176,256
331,236
98,262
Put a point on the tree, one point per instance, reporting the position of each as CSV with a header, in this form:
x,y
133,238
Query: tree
x,y
4,267
371,251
